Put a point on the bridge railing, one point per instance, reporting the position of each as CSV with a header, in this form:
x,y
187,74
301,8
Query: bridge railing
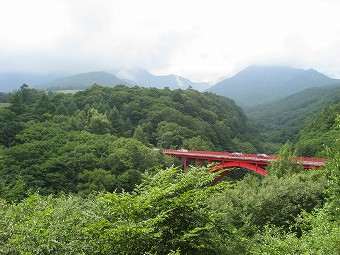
x,y
311,161
243,156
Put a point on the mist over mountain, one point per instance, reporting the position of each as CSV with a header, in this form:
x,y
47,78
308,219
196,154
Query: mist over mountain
x,y
139,77
12,81
143,78
82,81
259,84
282,119
251,86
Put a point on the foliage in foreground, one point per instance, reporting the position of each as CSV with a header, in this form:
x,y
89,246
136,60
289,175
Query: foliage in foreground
x,y
175,213
320,229
167,212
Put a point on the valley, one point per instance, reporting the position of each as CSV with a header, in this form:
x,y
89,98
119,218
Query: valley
x,y
87,170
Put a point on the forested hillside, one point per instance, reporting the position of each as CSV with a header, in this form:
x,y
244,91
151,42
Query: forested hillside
x,y
319,133
69,166
288,212
282,120
4,97
105,138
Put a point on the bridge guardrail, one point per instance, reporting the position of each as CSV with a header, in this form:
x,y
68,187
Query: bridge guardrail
x,y
243,156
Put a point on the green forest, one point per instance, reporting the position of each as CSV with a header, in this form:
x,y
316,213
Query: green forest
x,y
84,173
290,118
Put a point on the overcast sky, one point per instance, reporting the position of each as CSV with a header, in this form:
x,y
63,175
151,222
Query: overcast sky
x,y
199,39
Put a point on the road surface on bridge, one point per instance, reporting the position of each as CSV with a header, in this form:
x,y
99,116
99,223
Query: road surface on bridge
x,y
258,159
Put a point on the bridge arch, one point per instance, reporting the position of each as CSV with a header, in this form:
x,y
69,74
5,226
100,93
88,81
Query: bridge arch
x,y
230,164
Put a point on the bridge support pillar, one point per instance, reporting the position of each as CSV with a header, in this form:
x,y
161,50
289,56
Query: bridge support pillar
x,y
184,161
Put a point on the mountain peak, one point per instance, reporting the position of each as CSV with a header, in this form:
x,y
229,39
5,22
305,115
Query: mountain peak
x,y
142,77
258,84
84,80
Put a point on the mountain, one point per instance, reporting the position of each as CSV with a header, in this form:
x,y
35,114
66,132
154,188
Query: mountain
x,y
259,84
143,78
251,86
282,120
319,133
140,77
84,80
12,81
285,110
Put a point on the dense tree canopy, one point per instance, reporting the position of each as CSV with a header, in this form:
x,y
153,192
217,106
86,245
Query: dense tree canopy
x,y
82,174
181,114
66,143
320,132
176,213
4,97
51,159
281,121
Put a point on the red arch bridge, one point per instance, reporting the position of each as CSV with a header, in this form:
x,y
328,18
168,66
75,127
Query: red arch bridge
x,y
225,160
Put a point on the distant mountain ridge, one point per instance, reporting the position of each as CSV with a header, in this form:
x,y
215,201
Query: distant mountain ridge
x,y
284,118
259,84
12,81
251,86
82,81
143,78
309,100
138,77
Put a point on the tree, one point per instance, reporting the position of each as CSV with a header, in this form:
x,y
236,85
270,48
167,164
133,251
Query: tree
x,y
197,143
96,180
243,146
98,122
23,100
286,164
117,123
9,128
168,213
320,232
140,135
43,106
128,180
4,97
333,173
170,134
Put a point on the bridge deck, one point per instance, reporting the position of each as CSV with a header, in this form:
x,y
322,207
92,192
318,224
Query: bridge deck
x,y
250,158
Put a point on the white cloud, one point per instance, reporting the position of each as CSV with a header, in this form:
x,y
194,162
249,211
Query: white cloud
x,y
201,40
